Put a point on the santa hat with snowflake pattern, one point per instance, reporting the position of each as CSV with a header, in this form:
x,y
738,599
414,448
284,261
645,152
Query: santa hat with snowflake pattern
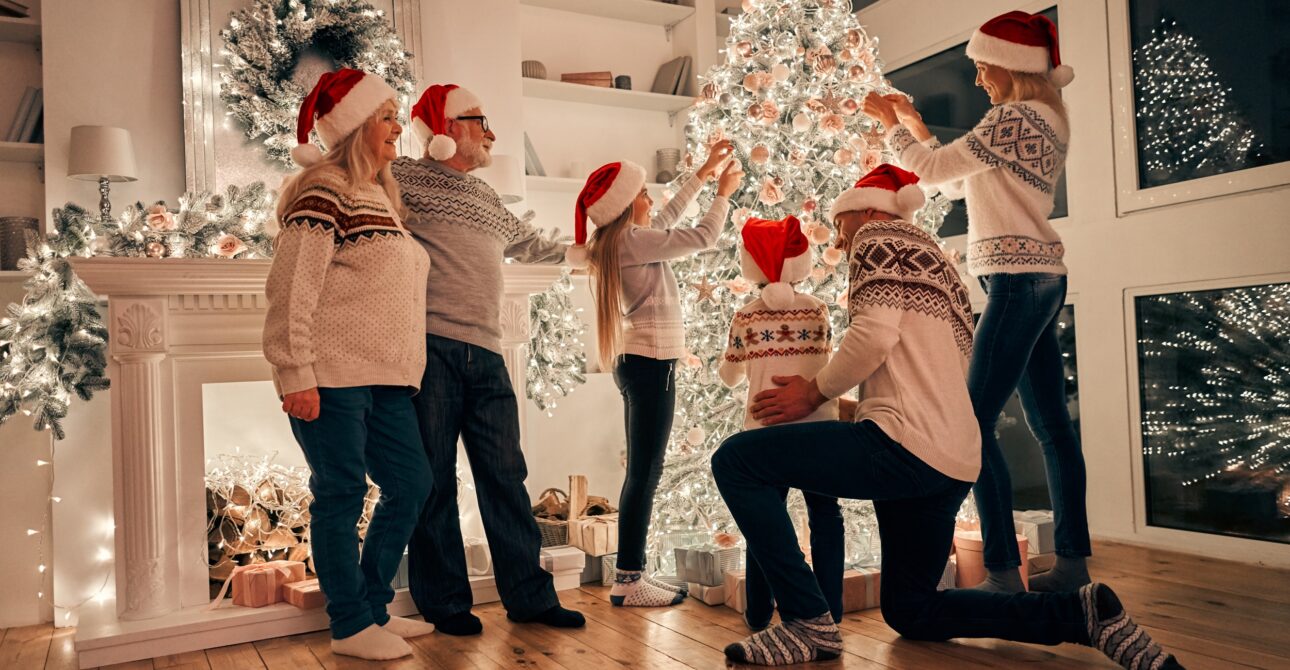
x,y
1021,42
608,193
886,188
775,253
339,104
439,104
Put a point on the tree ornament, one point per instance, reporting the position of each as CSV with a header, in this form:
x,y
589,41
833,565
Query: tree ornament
x,y
706,290
831,124
754,112
154,249
857,73
780,72
744,48
801,122
818,274
739,286
843,157
819,234
796,157
846,55
709,91
855,38
759,154
771,193
810,205
849,106
769,112
696,436
832,256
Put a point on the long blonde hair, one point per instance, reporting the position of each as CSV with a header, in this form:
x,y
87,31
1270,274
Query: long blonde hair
x,y
352,156
1037,86
607,286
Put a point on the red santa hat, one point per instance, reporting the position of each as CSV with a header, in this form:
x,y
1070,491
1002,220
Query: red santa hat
x,y
339,104
775,253
608,193
886,188
1021,42
439,104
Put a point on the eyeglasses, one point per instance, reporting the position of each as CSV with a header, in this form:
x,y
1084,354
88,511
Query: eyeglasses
x,y
483,121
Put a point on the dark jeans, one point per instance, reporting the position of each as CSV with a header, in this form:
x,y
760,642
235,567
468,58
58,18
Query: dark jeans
x,y
915,505
360,431
828,554
649,401
466,392
1016,348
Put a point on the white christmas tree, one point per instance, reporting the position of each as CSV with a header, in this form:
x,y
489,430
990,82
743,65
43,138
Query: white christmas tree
x,y
788,95
1188,127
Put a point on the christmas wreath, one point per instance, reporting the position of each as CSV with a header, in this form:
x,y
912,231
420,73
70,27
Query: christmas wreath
x,y
264,42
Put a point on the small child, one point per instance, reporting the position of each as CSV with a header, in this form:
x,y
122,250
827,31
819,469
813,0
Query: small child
x,y
781,334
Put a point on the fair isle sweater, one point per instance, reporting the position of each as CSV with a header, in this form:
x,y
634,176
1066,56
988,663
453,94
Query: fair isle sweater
x,y
1006,169
652,325
908,346
346,291
461,222
765,343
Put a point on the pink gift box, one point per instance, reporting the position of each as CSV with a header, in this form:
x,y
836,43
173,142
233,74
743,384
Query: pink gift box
x,y
861,589
260,584
969,554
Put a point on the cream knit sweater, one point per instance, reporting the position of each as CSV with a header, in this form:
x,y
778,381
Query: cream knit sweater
x,y
1006,169
346,291
908,347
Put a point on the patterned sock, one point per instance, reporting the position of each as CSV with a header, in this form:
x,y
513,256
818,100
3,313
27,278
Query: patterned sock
x,y
1067,575
1002,581
681,589
631,589
1112,632
796,641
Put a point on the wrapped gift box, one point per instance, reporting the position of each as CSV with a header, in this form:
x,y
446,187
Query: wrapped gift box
x,y
706,565
861,589
401,575
948,576
736,593
1037,525
969,555
305,595
600,570
708,595
261,584
1041,562
595,535
562,558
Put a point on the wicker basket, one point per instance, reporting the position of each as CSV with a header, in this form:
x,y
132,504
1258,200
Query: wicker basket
x,y
13,239
533,69
554,532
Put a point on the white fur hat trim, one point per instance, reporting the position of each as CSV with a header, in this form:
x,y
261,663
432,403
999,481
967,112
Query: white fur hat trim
x,y
353,110
904,202
627,185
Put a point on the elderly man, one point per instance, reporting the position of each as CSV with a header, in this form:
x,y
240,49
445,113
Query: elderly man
x,y
465,391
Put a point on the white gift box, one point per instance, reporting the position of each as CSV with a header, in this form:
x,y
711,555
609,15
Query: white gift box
x,y
1038,527
562,558
706,565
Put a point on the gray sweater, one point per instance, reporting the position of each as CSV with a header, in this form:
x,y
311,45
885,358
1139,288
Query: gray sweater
x,y
651,300
461,222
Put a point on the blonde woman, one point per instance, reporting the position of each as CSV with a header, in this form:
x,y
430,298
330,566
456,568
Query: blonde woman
x,y
639,328
1006,169
344,336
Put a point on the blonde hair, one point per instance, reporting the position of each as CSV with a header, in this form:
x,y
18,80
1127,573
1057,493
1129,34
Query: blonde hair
x,y
607,286
1037,86
354,158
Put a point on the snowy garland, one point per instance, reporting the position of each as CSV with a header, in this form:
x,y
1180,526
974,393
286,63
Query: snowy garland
x,y
557,357
264,42
53,344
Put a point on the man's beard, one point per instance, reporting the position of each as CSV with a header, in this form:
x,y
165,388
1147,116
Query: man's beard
x,y
476,153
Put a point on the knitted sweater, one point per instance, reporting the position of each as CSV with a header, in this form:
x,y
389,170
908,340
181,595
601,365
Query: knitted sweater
x,y
651,300
346,291
1006,169
766,343
461,222
908,347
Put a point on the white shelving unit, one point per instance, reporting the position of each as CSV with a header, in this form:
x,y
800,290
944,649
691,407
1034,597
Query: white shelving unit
x,y
567,185
22,164
640,11
19,30
611,97
22,152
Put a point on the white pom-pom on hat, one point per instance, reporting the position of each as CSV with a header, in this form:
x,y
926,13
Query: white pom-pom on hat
x,y
910,199
442,147
576,256
778,295
306,154
1062,75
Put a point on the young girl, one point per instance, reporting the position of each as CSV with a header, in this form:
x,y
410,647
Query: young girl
x,y
1006,168
344,334
640,331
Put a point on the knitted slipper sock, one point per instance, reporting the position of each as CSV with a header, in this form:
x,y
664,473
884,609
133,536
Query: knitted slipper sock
x,y
461,623
1067,575
796,641
1002,581
1112,632
682,589
408,627
555,616
372,643
632,590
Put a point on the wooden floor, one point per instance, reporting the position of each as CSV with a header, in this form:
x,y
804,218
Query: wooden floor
x,y
1212,614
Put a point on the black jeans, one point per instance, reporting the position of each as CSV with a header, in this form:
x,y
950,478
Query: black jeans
x,y
466,392
649,401
915,505
1016,348
828,554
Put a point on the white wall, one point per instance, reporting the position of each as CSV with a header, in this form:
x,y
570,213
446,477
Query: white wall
x,y
1233,236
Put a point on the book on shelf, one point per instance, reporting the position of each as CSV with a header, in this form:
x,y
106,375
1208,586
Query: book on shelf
x,y
14,9
20,117
603,79
671,76
34,114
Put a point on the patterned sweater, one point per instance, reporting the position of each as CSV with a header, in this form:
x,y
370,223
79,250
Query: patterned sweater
x,y
1006,169
908,347
346,291
651,300
765,343
461,222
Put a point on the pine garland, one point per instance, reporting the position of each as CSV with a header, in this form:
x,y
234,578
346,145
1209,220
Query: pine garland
x,y
557,358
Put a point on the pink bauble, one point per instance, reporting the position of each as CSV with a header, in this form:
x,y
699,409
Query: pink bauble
x,y
843,157
781,72
831,125
801,122
796,157
818,274
759,154
846,55
849,106
854,38
744,48
856,73
819,234
769,112
832,256
754,112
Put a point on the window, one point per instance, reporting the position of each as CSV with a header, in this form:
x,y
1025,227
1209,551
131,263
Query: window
x,y
1213,370
1210,96
944,90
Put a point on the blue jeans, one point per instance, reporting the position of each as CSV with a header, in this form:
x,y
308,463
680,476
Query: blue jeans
x,y
649,402
1016,348
466,393
915,505
828,555
361,431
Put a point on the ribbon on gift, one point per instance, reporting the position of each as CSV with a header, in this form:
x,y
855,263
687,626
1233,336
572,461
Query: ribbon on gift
x,y
479,560
285,572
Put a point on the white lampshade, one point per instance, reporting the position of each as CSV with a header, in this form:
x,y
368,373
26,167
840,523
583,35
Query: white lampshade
x,y
505,176
101,151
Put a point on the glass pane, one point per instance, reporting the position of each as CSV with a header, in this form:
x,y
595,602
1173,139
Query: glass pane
x,y
1214,372
944,90
1210,96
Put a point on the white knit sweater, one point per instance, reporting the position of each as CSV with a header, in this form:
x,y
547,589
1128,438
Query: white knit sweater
x,y
908,347
1006,169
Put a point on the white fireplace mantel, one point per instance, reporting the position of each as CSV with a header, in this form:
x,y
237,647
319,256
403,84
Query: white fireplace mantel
x,y
174,325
